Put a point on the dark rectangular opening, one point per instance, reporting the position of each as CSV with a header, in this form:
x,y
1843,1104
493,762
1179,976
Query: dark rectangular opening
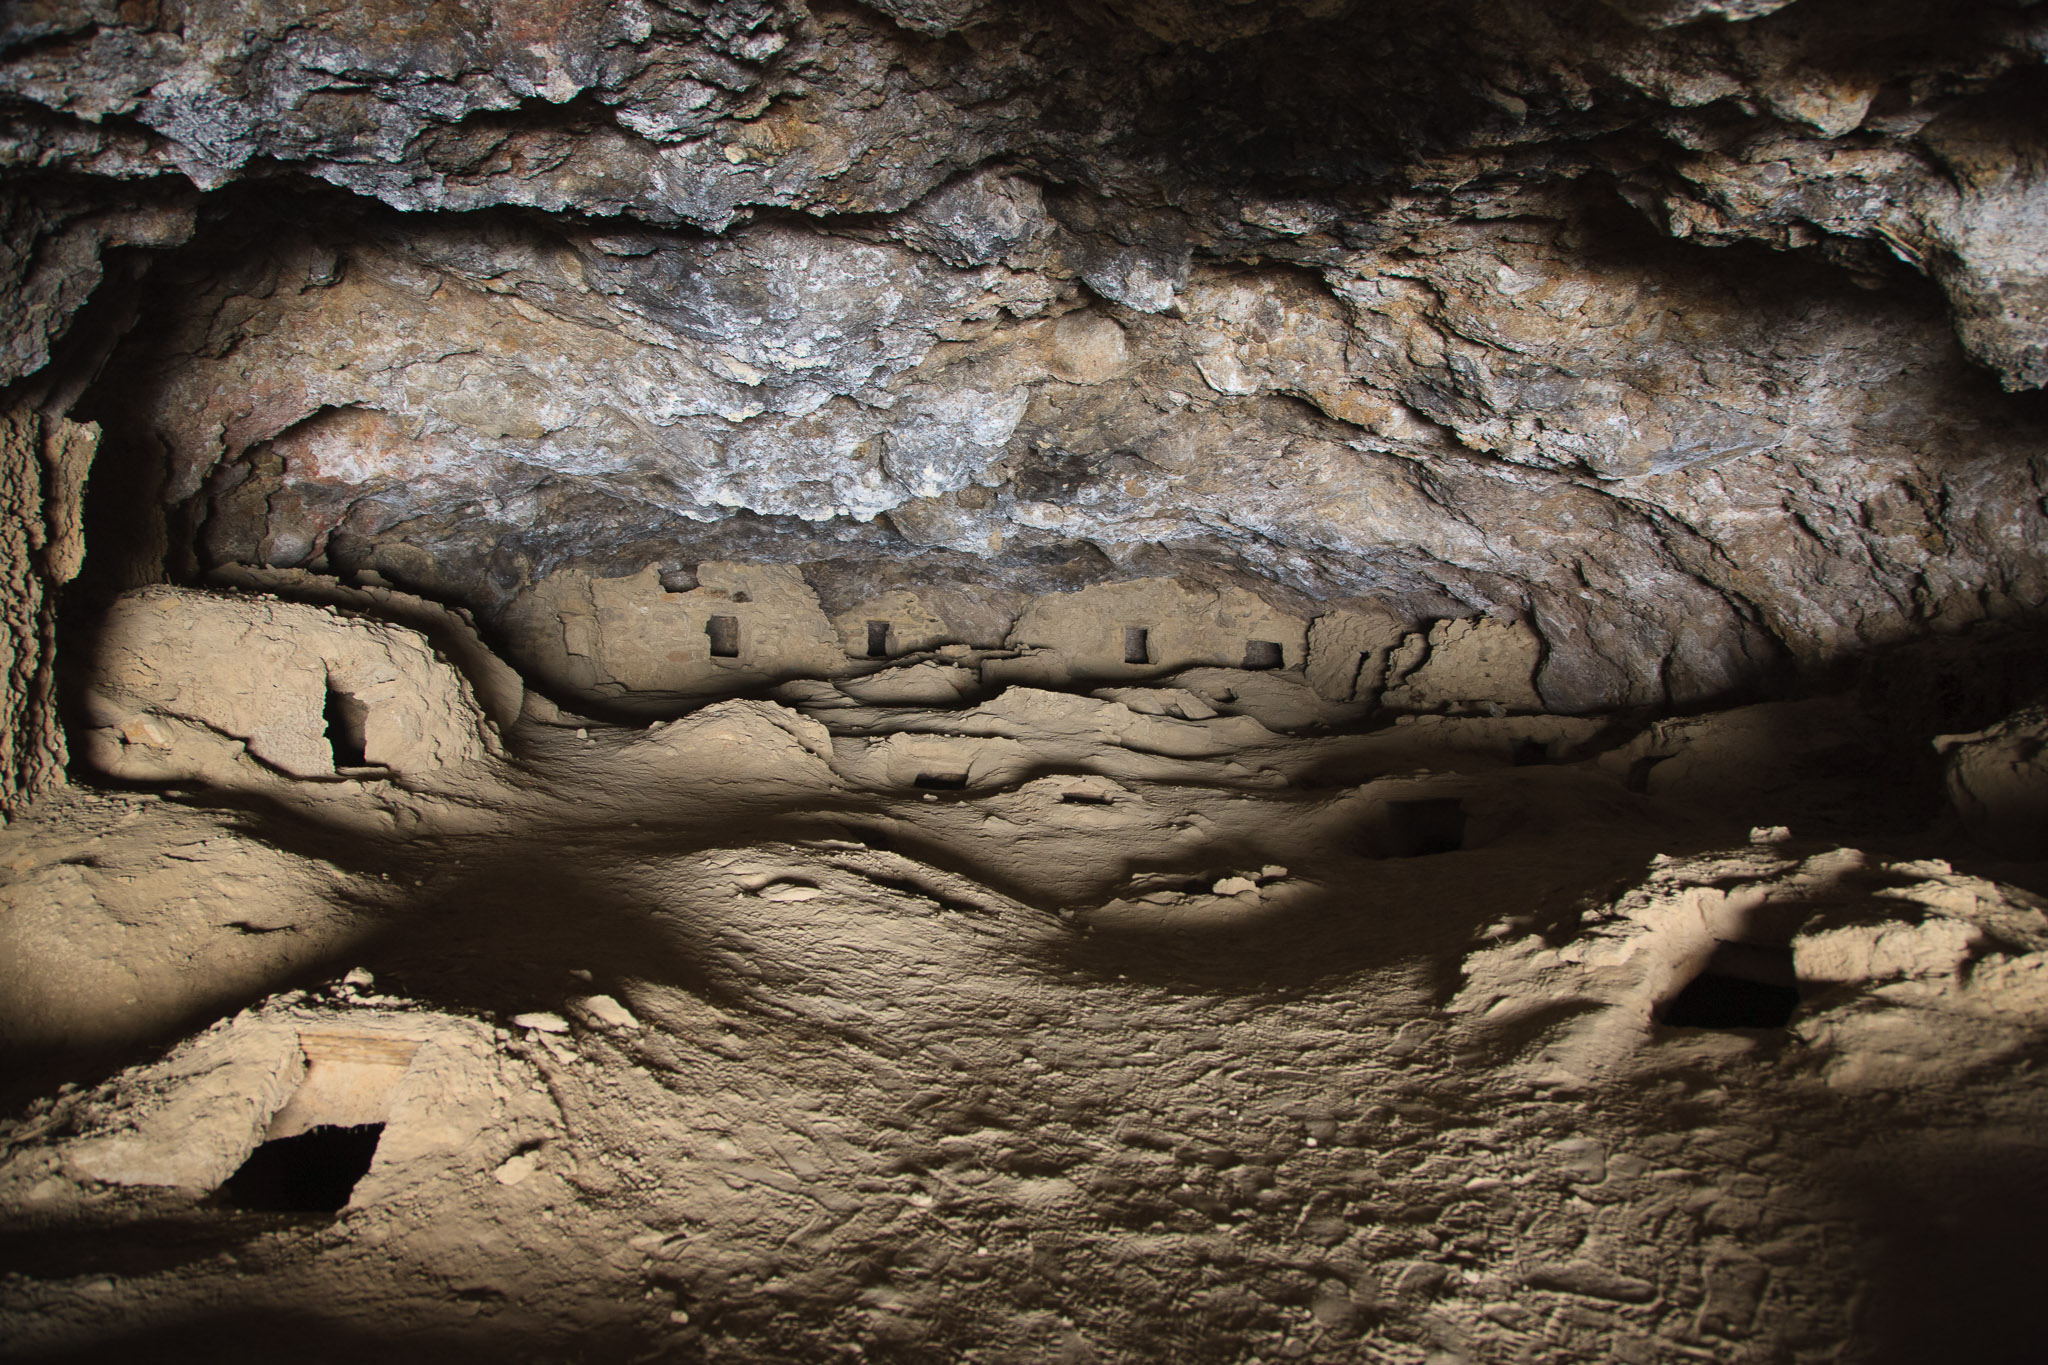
x,y
348,724
1420,828
1084,799
1524,753
311,1172
1263,654
943,782
878,639
1137,645
725,636
1638,779
1743,986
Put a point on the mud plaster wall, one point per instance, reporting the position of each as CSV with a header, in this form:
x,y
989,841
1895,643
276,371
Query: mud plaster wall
x,y
637,642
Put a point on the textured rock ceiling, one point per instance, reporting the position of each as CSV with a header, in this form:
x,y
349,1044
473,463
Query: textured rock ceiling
x,y
1702,336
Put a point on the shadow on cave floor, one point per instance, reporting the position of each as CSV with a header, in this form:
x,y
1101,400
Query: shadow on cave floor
x,y
1953,1252
495,927
144,1235
264,1335
498,931
494,924
1420,916
475,924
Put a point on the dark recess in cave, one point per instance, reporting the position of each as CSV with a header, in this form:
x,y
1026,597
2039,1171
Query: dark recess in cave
x,y
725,636
1420,828
1743,986
310,1172
347,721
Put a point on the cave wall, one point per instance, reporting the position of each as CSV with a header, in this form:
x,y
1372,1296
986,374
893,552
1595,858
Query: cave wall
x,y
1698,340
43,463
57,241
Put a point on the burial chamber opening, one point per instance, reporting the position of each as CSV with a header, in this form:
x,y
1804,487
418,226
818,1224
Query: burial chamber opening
x,y
1422,828
347,721
311,1172
1742,986
318,1147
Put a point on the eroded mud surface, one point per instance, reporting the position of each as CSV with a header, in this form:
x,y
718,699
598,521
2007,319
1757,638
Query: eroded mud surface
x,y
1048,1027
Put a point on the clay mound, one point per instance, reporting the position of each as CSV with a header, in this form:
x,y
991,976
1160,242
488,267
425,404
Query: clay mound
x,y
235,690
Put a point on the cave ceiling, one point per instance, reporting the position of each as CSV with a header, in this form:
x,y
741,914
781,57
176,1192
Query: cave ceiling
x,y
1703,337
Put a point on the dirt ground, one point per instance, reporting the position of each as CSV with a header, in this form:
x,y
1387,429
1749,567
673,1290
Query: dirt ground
x,y
1041,1028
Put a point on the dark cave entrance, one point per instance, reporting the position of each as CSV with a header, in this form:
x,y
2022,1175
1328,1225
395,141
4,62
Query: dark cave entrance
x,y
1417,829
311,1172
1742,986
724,632
348,726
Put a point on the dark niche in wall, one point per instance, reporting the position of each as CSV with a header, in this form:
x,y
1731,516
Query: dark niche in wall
x,y
1419,828
348,722
1263,654
1742,986
725,636
311,1172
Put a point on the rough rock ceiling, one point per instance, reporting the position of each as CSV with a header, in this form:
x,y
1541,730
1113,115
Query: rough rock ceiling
x,y
1617,319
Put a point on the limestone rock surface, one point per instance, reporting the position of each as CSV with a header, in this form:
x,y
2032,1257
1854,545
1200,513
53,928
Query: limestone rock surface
x,y
1663,329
